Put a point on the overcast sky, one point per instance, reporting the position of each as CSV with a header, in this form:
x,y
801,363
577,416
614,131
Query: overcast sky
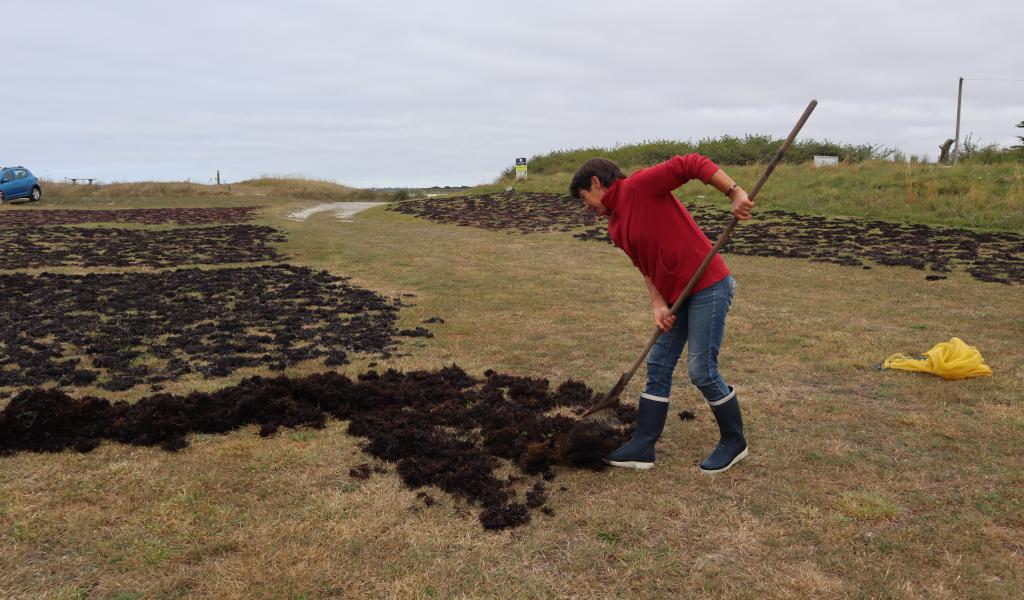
x,y
397,93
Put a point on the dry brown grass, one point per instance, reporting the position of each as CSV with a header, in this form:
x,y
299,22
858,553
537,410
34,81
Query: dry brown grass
x,y
263,190
860,483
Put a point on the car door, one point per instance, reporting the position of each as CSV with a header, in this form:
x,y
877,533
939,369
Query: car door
x,y
7,183
22,184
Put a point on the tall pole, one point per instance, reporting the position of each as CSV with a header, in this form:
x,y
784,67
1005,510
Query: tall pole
x,y
959,102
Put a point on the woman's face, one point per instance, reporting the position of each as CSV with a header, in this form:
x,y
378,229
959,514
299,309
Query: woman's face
x,y
594,196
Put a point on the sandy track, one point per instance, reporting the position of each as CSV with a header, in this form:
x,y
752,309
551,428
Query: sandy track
x,y
343,211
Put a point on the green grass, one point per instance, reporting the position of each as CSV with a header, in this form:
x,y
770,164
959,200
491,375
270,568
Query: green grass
x,y
969,195
867,506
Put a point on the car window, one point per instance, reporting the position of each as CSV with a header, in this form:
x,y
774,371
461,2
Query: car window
x,y
21,173
8,176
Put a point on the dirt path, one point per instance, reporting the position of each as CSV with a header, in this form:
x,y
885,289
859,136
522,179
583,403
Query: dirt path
x,y
343,211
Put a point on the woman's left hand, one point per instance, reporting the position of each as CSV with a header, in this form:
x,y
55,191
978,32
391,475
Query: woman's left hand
x,y
742,207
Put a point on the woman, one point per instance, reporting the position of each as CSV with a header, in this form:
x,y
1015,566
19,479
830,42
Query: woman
x,y
664,242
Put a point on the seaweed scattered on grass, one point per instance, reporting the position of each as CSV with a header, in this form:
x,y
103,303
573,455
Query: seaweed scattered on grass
x,y
360,471
31,247
505,516
996,257
25,217
529,212
854,242
211,322
441,428
537,496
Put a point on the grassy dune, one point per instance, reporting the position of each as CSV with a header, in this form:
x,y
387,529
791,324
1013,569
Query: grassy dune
x,y
967,195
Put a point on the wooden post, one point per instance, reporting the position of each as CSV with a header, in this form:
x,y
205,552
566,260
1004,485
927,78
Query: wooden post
x,y
218,176
959,101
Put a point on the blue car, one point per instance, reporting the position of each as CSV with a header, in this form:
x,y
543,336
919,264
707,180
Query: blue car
x,y
18,182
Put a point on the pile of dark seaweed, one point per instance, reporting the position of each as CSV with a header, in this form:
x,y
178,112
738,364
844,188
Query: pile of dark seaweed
x,y
529,212
31,247
33,217
987,256
82,329
442,428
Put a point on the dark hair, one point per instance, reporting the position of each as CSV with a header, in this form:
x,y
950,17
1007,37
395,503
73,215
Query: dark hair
x,y
605,170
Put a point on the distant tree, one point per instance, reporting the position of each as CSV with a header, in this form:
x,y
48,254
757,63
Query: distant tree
x,y
1020,146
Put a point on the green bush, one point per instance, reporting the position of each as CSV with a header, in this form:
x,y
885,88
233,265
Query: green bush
x,y
989,154
726,150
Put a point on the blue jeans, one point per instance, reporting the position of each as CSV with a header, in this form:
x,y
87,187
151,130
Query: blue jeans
x,y
701,320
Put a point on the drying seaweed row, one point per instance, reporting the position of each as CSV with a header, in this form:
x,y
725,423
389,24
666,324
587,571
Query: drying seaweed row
x,y
529,212
442,428
988,256
34,217
122,329
30,247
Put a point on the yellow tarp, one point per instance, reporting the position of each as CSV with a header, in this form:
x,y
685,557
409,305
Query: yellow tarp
x,y
949,360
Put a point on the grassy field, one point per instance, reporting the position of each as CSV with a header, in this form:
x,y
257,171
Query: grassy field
x,y
860,483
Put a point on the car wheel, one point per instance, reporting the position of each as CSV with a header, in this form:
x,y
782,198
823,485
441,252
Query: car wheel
x,y
37,194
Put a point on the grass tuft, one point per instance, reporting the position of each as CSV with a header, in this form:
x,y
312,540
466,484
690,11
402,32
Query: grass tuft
x,y
867,506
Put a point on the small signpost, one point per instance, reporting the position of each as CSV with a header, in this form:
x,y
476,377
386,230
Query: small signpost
x,y
520,169
825,161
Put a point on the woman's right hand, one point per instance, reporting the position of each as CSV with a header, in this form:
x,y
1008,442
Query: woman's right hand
x,y
664,318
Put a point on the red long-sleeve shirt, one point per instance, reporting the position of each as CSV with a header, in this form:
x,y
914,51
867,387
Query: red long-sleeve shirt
x,y
654,229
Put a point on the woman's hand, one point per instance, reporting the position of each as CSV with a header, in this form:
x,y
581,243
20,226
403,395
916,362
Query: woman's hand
x,y
742,207
664,318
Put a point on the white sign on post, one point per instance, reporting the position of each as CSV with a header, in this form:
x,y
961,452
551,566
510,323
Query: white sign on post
x,y
520,168
825,161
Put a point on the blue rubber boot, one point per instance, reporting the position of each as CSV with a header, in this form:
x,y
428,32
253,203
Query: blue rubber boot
x,y
732,446
638,453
